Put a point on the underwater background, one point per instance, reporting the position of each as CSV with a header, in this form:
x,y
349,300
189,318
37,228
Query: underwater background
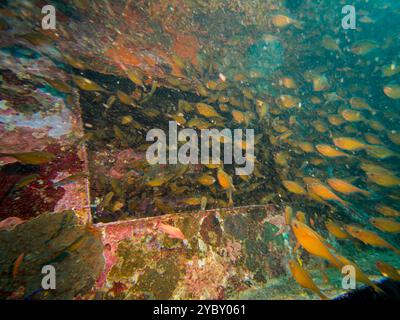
x,y
317,82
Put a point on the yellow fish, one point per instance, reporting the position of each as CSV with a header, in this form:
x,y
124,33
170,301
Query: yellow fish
x,y
352,115
336,230
294,187
349,144
207,110
370,238
386,224
364,47
283,21
324,192
287,101
345,187
329,151
86,84
388,271
392,91
303,278
387,211
224,179
32,157
313,243
206,180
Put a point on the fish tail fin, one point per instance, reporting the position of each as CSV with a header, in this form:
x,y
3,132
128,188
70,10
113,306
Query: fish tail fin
x,y
365,193
397,251
298,24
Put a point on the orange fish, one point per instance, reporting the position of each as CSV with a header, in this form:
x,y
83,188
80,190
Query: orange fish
x,y
325,193
349,144
313,243
172,232
17,263
352,115
388,271
386,224
303,278
370,238
224,179
294,187
329,151
288,215
387,211
10,223
336,230
345,187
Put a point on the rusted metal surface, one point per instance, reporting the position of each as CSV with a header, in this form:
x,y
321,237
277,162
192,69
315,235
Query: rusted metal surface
x,y
33,119
224,252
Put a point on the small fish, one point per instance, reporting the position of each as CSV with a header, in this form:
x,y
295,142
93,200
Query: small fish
x,y
70,179
25,181
364,47
158,182
335,120
207,110
33,157
380,152
388,271
283,21
352,115
360,104
294,187
387,211
17,264
135,76
313,243
106,200
307,147
198,123
386,224
206,180
172,232
392,91
390,70
86,84
239,116
325,193
345,187
349,144
224,179
10,223
303,278
370,238
287,101
125,98
329,151
288,215
331,44
61,86
288,82
320,83
336,230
